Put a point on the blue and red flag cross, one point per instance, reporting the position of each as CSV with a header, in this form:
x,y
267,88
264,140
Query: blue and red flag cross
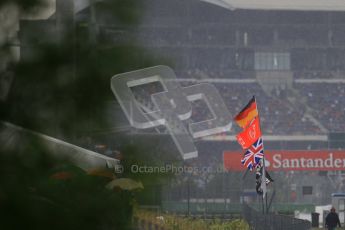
x,y
253,154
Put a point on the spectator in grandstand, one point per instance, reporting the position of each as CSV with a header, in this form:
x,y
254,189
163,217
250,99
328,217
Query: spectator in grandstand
x,y
332,220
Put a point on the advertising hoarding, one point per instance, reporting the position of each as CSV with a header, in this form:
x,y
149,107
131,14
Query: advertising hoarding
x,y
287,160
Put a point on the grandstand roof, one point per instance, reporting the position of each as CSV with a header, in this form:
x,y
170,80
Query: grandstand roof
x,y
304,5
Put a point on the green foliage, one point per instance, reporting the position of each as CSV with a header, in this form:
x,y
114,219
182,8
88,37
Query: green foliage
x,y
62,90
38,191
172,222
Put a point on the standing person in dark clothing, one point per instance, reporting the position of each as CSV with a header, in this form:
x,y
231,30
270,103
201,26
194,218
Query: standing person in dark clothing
x,y
332,220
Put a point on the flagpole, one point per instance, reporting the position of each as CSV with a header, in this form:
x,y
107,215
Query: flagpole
x,y
266,201
247,135
263,205
263,174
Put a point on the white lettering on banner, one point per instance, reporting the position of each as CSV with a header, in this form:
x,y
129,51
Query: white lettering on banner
x,y
310,163
337,163
277,161
329,161
296,163
252,132
319,163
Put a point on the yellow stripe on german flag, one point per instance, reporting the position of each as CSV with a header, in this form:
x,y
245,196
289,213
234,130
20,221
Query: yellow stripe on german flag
x,y
247,113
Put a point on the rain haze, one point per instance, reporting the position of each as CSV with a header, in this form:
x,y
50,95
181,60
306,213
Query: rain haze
x,y
181,114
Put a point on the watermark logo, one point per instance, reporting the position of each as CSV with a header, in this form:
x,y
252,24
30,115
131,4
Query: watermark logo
x,y
175,169
173,106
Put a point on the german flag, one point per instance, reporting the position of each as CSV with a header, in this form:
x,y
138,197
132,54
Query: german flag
x,y
247,113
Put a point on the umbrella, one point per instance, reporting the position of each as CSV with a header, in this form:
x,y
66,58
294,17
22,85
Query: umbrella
x,y
66,171
125,184
101,173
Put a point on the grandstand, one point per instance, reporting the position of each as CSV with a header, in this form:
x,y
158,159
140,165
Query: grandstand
x,y
292,59
235,46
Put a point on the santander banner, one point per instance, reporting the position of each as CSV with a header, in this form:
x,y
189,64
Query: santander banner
x,y
281,160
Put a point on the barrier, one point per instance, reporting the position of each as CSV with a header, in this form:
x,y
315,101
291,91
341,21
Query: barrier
x,y
270,221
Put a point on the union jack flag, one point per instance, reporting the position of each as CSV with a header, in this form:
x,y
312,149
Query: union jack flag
x,y
253,155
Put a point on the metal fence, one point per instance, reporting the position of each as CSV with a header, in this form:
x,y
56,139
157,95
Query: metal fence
x,y
270,221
